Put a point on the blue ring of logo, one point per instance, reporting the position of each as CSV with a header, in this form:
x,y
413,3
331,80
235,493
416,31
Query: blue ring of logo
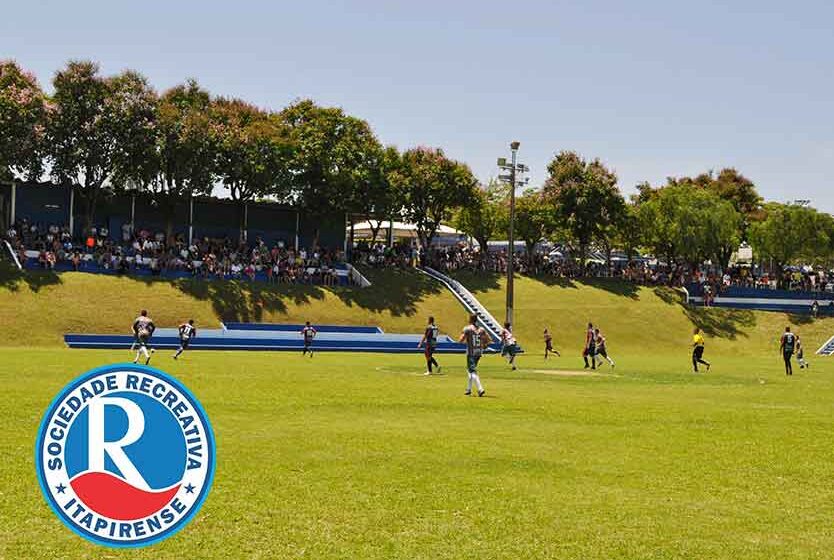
x,y
198,502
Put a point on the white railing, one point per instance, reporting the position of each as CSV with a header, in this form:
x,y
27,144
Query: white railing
x,y
357,277
827,349
12,255
465,297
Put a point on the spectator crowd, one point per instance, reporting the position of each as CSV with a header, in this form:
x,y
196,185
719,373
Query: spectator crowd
x,y
156,253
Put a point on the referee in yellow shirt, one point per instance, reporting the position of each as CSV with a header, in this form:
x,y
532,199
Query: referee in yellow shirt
x,y
698,350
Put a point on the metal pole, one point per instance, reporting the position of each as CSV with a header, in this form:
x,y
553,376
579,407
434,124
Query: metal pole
x,y
71,212
13,213
190,220
246,221
511,237
132,213
297,220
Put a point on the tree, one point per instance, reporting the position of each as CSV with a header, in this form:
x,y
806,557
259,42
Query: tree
x,y
335,156
585,197
533,215
90,128
186,148
485,216
136,162
790,232
22,118
254,154
431,186
373,196
729,185
682,223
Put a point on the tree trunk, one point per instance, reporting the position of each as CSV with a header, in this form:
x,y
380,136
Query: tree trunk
x,y
583,254
90,197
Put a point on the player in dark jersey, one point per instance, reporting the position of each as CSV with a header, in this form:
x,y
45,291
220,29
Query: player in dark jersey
x,y
309,333
548,344
143,329
430,340
476,340
187,332
787,345
590,347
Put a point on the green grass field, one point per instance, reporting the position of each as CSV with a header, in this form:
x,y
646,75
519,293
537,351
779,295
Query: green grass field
x,y
360,456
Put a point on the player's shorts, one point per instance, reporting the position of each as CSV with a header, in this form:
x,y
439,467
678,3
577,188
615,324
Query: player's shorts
x,y
698,352
601,352
429,350
472,363
787,354
590,350
308,343
509,349
184,342
548,346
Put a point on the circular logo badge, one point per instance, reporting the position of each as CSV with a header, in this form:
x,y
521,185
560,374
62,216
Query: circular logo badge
x,y
125,455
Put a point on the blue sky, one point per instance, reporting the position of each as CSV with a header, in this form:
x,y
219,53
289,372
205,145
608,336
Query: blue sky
x,y
652,88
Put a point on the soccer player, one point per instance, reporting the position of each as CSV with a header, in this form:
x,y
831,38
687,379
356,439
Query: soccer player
x,y
475,339
600,347
698,350
590,347
430,340
800,354
143,329
509,347
787,345
548,344
187,332
309,333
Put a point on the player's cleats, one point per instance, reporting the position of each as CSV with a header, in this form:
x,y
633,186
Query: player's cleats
x,y
514,368
481,393
427,373
467,393
438,369
708,366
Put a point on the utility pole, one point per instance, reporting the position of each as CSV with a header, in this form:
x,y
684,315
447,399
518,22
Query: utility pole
x,y
514,168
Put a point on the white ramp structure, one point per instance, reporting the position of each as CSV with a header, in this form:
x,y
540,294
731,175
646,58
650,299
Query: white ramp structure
x,y
469,302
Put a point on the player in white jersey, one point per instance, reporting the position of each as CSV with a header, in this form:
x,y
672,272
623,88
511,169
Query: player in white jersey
x,y
309,333
509,347
430,340
143,329
187,332
800,354
476,340
601,350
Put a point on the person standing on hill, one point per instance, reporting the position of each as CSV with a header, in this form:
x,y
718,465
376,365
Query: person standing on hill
x,y
430,340
698,350
476,340
590,347
787,345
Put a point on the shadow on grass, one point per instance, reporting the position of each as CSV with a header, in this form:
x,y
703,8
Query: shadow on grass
x,y
483,281
243,301
11,278
800,318
717,322
394,290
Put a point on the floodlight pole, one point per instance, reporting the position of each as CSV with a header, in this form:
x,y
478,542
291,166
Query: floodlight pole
x,y
511,235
